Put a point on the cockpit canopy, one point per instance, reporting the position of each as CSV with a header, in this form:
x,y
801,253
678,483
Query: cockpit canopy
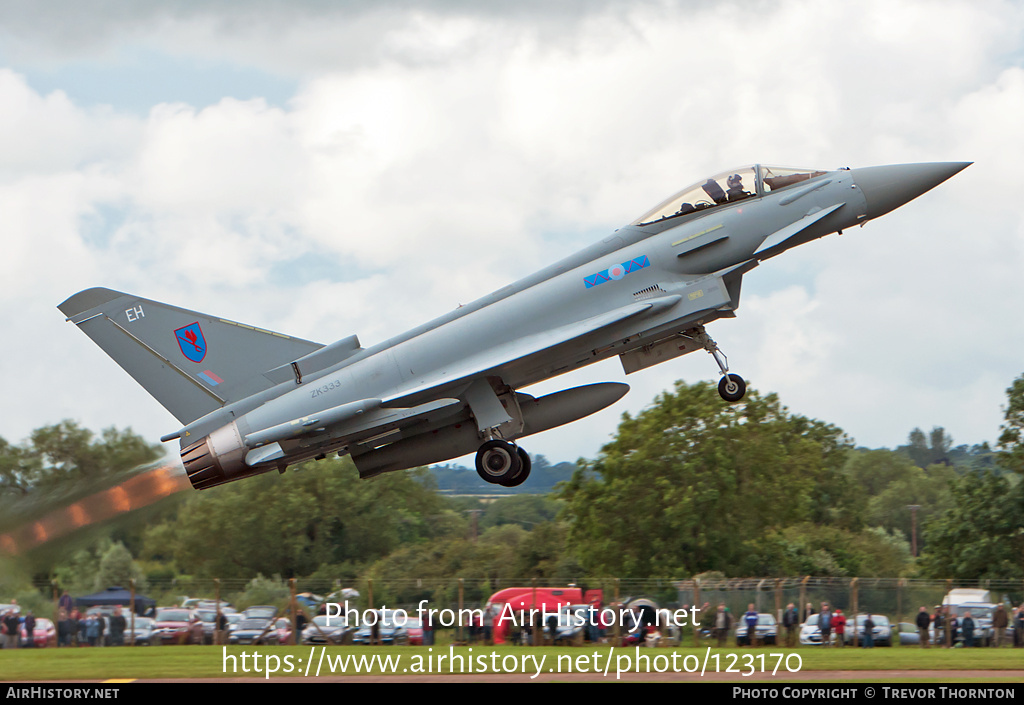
x,y
728,187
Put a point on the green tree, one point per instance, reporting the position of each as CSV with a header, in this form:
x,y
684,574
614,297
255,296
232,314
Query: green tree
x,y
526,510
69,452
811,549
689,480
872,471
77,572
264,591
888,482
70,459
928,489
1011,438
982,535
502,555
61,464
318,513
117,567
928,450
19,469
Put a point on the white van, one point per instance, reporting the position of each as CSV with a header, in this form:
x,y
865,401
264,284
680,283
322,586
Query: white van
x,y
960,596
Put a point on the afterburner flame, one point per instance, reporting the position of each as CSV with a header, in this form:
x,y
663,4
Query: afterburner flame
x,y
137,492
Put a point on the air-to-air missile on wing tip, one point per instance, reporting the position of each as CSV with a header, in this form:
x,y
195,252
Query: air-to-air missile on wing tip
x,y
250,400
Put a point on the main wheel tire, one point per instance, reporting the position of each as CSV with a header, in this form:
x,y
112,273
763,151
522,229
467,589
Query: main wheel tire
x,y
498,461
732,387
524,470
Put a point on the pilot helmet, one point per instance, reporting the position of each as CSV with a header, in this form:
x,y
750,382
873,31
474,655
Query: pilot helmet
x,y
735,180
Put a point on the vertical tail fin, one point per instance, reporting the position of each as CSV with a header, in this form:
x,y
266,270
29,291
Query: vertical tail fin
x,y
192,363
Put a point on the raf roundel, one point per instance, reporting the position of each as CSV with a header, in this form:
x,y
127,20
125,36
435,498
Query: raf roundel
x,y
616,272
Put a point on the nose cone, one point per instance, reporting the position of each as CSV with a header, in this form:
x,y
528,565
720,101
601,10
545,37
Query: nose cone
x,y
886,188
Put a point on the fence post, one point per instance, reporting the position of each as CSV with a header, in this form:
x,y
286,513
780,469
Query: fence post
x,y
291,606
778,612
218,637
947,615
462,594
696,603
131,602
803,603
899,600
56,612
853,600
369,598
616,619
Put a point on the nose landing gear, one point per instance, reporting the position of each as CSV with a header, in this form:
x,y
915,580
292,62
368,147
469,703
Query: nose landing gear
x,y
731,387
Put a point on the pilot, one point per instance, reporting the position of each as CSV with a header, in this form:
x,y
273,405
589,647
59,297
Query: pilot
x,y
714,191
736,192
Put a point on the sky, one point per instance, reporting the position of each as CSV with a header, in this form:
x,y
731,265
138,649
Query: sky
x,y
334,168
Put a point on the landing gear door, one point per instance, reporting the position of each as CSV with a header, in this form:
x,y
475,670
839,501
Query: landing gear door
x,y
497,413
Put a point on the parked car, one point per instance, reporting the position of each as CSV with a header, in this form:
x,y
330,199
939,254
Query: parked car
x,y
176,625
203,603
284,630
981,613
908,634
254,630
208,618
390,632
810,632
324,630
144,632
260,612
414,628
881,634
767,630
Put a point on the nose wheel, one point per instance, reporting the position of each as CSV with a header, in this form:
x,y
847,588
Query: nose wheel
x,y
502,463
731,387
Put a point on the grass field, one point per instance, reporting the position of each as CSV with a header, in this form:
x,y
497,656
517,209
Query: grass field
x,y
198,662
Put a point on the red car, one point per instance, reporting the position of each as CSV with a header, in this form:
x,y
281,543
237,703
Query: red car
x,y
177,625
284,630
414,628
43,634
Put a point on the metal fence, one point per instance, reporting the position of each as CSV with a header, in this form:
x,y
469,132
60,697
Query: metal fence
x,y
898,598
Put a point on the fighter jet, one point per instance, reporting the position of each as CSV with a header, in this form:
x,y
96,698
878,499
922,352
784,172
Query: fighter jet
x,y
250,400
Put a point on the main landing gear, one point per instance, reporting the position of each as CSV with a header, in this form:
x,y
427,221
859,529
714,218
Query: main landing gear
x,y
503,463
731,387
